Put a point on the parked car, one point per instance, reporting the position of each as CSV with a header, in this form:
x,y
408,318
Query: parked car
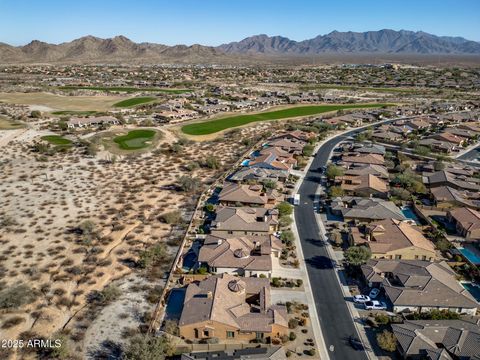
x,y
355,343
360,299
375,305
374,293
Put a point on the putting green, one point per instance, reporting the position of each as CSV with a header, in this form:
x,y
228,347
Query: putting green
x,y
135,139
57,140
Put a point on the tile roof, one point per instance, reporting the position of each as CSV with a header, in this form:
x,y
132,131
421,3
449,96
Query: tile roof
x,y
244,219
419,283
390,235
439,339
216,299
254,254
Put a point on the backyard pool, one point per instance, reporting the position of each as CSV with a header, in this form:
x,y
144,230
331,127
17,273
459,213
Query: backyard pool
x,y
245,162
470,256
175,304
189,260
472,289
410,214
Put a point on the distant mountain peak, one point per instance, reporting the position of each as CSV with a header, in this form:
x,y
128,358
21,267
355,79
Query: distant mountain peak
x,y
121,49
386,41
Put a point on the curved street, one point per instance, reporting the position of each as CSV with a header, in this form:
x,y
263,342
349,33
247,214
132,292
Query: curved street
x,y
335,319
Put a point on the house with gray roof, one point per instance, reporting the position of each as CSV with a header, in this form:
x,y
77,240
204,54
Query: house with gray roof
x,y
419,286
439,339
365,209
258,174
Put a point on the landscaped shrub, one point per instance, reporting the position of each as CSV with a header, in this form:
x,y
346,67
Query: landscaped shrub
x,y
382,319
387,341
292,323
292,336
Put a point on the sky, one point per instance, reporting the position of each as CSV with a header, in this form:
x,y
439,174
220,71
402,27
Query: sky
x,y
213,22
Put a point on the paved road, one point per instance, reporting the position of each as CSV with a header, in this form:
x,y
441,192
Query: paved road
x,y
335,319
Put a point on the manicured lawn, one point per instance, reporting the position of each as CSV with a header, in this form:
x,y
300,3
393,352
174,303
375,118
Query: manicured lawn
x,y
57,140
134,101
125,89
135,139
73,112
213,126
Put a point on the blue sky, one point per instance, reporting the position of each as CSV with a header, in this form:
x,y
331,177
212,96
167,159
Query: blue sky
x,y
213,22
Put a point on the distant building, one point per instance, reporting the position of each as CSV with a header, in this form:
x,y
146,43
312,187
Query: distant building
x,y
78,122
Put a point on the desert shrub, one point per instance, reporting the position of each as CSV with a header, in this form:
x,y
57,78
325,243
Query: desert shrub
x,y
152,255
13,321
292,336
148,347
15,296
172,217
212,162
188,184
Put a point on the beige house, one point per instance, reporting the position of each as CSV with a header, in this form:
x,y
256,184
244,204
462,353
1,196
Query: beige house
x,y
244,221
228,307
363,185
240,255
467,222
394,239
234,194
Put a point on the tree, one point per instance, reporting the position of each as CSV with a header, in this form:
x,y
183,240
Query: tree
x,y
36,114
308,150
284,209
357,255
336,191
438,165
148,347
285,221
387,341
269,184
334,171
421,150
287,237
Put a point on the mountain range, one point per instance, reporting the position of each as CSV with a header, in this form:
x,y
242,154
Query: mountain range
x,y
121,49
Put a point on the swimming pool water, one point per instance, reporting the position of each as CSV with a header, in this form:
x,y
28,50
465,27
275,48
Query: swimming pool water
x,y
175,304
470,255
472,289
409,214
245,162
